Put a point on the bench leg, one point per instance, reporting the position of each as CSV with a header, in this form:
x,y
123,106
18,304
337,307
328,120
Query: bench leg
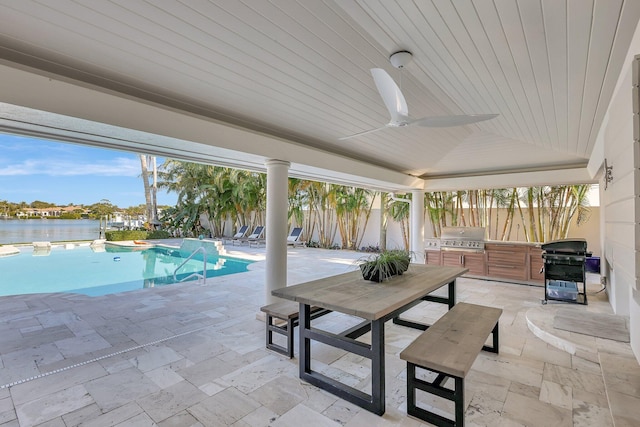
x,y
290,327
411,389
287,331
496,340
459,401
436,388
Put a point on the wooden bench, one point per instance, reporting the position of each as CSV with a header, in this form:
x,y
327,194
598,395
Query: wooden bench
x,y
448,349
287,312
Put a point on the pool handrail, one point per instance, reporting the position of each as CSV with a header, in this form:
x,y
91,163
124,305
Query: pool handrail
x,y
202,276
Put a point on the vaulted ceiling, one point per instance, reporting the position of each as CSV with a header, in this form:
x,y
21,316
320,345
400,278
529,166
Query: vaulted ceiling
x,y
299,71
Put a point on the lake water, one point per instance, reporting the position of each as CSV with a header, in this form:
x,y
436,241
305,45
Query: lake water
x,y
51,230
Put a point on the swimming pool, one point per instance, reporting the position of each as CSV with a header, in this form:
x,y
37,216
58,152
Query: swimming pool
x,y
103,270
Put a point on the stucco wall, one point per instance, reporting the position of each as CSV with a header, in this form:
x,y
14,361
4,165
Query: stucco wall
x,y
589,230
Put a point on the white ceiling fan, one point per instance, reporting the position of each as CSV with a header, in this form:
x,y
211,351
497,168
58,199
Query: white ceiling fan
x,y
397,106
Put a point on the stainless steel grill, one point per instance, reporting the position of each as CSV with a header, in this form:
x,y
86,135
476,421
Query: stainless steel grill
x,y
564,270
462,238
432,244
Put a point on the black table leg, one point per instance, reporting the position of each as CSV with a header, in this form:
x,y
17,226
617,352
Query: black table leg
x,y
304,324
377,367
374,402
452,294
450,300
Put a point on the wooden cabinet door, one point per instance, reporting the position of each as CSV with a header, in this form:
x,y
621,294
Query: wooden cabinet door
x,y
474,262
507,261
452,258
471,260
432,257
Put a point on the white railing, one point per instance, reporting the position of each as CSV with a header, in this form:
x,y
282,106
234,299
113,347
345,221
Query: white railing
x,y
198,275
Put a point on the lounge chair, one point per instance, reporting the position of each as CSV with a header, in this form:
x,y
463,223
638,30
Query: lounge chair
x,y
239,235
293,239
255,236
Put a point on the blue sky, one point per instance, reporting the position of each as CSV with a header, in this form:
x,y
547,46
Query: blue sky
x,y
63,173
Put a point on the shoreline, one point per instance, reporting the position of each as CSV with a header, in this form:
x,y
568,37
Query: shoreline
x,y
25,231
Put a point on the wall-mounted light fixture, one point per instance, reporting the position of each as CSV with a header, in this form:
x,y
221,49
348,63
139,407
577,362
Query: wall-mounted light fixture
x,y
608,174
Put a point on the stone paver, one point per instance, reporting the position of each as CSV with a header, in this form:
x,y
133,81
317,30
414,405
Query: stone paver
x,y
192,354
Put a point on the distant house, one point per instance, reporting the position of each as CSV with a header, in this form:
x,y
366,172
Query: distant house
x,y
43,213
52,212
121,220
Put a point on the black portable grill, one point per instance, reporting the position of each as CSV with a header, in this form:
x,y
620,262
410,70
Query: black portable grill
x,y
564,270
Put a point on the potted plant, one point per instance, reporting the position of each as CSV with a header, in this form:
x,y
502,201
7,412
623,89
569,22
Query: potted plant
x,y
385,264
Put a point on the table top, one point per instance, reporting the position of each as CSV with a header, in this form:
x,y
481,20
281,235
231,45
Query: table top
x,y
349,293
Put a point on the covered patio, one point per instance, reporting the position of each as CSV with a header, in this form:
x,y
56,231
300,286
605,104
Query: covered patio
x,y
194,355
273,87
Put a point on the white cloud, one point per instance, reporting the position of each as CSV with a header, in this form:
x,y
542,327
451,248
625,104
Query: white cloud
x,y
119,166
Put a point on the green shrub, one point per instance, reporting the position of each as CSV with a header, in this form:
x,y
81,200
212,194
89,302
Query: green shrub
x,y
158,234
118,236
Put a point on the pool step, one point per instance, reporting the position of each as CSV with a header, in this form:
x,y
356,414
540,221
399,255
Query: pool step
x,y
213,247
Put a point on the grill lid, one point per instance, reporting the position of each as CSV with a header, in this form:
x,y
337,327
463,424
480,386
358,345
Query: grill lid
x,y
462,238
463,233
566,246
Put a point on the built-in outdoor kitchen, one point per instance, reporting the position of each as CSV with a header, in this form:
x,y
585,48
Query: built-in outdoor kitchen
x,y
517,262
558,266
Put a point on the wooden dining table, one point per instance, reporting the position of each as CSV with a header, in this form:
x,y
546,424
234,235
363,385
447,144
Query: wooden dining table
x,y
375,303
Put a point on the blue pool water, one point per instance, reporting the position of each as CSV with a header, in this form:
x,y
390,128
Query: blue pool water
x,y
103,271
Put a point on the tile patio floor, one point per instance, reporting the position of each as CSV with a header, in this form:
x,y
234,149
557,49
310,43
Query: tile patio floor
x,y
194,355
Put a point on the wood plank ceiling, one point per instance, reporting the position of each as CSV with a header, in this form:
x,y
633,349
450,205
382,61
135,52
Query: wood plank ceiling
x,y
300,69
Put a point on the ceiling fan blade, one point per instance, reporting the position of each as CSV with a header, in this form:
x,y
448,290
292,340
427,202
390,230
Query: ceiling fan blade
x,y
391,95
362,133
397,106
450,121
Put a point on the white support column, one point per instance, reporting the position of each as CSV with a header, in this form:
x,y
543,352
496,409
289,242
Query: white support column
x,y
416,238
276,227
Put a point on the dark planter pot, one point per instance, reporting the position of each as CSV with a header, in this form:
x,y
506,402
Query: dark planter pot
x,y
372,276
403,267
375,276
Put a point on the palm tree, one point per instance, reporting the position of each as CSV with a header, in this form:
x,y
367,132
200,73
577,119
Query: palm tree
x,y
511,201
384,220
147,188
189,181
249,196
400,211
295,212
321,199
213,193
301,195
433,211
444,209
501,199
562,203
324,210
353,209
579,206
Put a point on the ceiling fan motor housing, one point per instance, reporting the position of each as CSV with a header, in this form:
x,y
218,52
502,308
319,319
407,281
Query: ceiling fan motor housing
x,y
400,58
